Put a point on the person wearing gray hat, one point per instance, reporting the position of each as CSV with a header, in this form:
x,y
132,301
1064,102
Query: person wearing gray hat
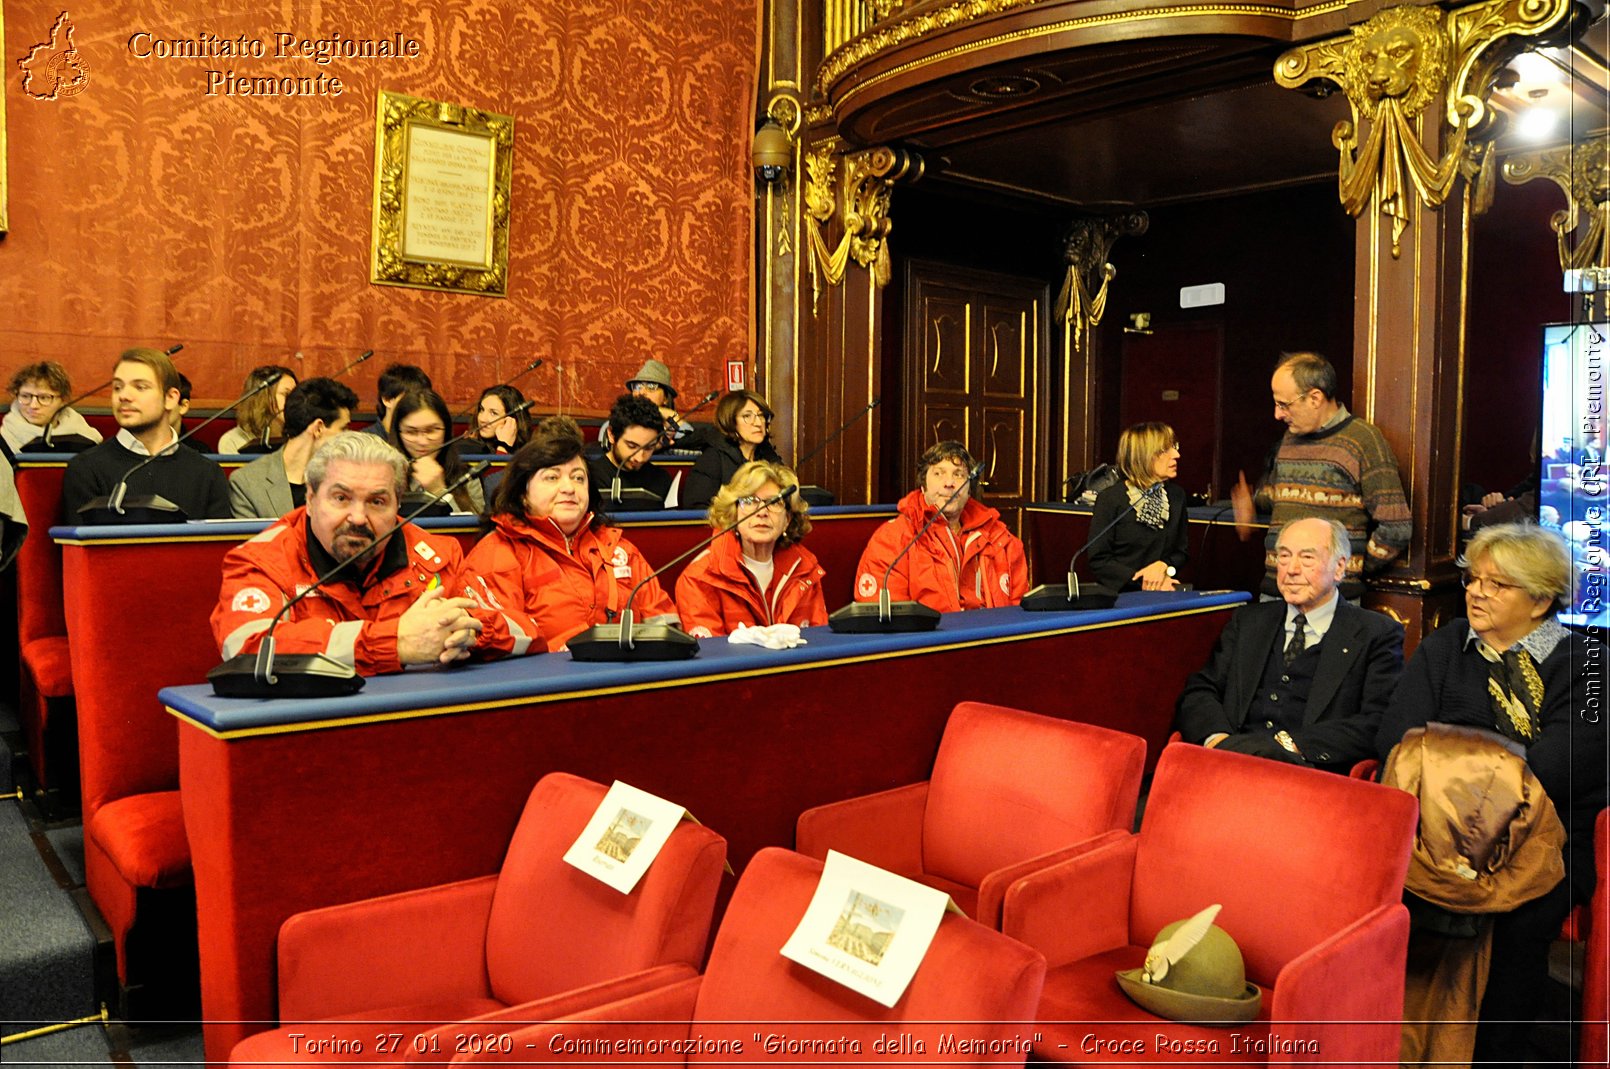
x,y
653,381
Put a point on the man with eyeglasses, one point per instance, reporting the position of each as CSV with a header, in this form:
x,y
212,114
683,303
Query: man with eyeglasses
x,y
1304,679
1331,465
636,431
39,395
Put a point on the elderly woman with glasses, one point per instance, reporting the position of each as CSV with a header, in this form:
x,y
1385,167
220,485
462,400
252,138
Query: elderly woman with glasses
x,y
39,395
744,420
1512,669
758,574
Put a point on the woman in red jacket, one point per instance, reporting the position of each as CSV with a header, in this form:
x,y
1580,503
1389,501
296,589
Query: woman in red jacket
x,y
758,574
550,554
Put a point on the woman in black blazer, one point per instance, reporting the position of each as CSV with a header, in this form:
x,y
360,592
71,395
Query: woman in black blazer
x,y
744,419
1146,550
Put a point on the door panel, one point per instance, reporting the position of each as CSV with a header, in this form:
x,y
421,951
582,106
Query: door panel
x,y
974,368
1173,375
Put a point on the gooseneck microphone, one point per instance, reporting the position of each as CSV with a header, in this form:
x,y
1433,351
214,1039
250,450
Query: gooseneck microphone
x,y
367,353
155,508
309,675
1051,597
830,439
702,402
522,373
655,642
80,443
885,615
473,432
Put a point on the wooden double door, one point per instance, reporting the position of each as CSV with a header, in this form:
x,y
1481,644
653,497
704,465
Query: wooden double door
x,y
976,370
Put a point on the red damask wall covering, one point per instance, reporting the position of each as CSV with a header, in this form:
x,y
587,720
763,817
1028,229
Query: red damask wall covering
x,y
145,211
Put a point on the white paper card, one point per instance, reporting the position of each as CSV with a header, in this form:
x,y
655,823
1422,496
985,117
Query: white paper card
x,y
624,836
866,928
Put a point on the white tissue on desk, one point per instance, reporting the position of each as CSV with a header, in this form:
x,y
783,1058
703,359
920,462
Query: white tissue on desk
x,y
773,637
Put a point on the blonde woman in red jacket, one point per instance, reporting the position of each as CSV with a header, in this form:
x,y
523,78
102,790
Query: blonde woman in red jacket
x,y
550,555
758,574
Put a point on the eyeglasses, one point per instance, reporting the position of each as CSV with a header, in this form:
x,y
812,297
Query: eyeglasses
x,y
753,417
417,433
1485,586
1286,406
37,398
755,504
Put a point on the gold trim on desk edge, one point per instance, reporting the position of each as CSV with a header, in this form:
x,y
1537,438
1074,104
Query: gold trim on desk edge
x,y
667,684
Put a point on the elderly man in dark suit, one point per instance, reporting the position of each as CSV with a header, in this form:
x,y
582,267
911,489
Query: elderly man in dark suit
x,y
1304,679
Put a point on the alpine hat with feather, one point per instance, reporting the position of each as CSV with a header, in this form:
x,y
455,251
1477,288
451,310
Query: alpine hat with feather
x,y
1194,972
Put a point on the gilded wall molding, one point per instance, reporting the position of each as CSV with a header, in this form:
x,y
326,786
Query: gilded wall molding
x,y
1085,247
924,21
854,187
1399,66
1582,171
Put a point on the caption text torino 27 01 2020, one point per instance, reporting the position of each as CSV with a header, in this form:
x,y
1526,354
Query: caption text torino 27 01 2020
x,y
282,47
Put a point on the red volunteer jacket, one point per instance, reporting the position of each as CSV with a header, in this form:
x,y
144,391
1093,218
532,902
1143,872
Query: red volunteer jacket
x,y
562,585
981,568
716,593
355,624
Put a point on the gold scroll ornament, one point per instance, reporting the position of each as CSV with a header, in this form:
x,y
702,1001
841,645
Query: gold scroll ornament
x,y
1086,247
1582,171
1394,67
855,187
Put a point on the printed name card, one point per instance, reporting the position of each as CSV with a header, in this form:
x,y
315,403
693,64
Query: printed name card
x,y
624,836
866,928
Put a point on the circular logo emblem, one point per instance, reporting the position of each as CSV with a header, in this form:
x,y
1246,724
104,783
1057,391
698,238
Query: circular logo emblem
x,y
250,600
620,557
866,586
1006,586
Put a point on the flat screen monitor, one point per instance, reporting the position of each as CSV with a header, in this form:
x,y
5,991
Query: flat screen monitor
x,y
1572,493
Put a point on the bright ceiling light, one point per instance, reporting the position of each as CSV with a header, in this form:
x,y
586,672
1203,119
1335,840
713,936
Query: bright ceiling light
x,y
1537,124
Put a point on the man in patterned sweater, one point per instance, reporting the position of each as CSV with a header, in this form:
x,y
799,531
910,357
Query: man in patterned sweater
x,y
1332,465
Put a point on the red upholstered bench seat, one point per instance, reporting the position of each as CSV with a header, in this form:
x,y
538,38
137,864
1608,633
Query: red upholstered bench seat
x,y
47,664
143,836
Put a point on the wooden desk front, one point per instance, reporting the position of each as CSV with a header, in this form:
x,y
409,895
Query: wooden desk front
x,y
419,779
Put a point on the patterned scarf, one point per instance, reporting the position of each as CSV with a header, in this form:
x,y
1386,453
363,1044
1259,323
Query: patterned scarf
x,y
1151,508
1516,690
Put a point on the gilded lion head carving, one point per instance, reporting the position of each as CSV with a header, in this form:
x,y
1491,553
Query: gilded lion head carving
x,y
1399,54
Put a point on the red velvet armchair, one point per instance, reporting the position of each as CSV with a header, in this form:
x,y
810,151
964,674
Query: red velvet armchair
x,y
409,976
755,1006
1309,868
1011,792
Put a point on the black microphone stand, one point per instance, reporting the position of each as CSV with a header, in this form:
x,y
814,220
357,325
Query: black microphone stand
x,y
308,675
48,438
654,642
864,617
1053,597
812,493
528,369
154,508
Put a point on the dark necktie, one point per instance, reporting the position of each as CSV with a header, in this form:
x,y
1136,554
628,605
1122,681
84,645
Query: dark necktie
x,y
1299,639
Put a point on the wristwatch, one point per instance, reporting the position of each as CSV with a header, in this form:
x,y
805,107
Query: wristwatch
x,y
1170,570
1287,743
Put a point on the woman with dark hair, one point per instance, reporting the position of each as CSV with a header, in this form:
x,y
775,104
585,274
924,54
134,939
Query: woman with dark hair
x,y
744,419
1146,546
261,417
494,430
550,554
421,429
758,574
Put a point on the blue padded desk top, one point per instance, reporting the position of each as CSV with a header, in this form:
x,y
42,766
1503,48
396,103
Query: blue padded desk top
x,y
243,529
554,676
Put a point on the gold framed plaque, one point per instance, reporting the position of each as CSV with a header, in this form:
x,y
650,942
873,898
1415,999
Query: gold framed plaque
x,y
442,175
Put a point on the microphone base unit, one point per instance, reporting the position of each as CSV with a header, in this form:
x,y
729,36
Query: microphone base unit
x,y
641,642
816,496
63,443
296,675
1055,597
139,508
866,618
633,499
